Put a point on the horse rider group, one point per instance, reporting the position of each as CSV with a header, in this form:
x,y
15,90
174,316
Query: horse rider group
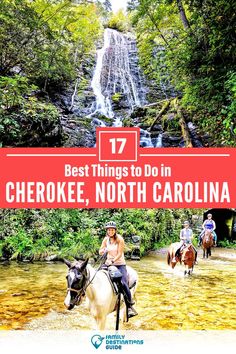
x,y
186,236
113,248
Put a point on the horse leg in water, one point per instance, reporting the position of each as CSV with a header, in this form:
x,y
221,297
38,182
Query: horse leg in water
x,y
101,321
99,316
188,270
208,252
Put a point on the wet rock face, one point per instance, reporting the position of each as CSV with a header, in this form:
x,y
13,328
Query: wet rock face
x,y
78,131
134,243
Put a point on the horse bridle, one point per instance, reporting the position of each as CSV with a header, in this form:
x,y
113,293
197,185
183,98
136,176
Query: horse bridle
x,y
80,292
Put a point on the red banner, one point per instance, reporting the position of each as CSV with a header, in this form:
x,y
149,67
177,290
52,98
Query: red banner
x,y
117,173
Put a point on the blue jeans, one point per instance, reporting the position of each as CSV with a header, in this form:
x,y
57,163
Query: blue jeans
x,y
124,280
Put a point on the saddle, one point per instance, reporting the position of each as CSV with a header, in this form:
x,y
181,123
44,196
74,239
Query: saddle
x,y
114,276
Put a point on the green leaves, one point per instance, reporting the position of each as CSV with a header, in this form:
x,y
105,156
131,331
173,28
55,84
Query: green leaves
x,y
40,38
119,21
13,90
69,232
197,59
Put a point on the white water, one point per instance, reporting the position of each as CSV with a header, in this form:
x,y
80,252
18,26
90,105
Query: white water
x,y
117,73
113,75
103,103
146,141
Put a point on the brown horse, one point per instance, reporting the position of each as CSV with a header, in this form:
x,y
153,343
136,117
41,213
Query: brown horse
x,y
207,243
187,256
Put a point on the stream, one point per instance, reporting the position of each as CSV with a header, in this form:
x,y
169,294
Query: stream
x,y
32,296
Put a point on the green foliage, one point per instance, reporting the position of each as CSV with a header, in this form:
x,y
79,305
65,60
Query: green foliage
x,y
40,38
199,56
43,47
119,21
227,244
30,125
229,112
72,232
116,97
13,90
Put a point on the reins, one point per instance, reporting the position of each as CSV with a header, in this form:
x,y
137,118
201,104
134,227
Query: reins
x,y
81,292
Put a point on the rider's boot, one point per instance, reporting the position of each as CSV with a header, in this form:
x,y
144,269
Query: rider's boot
x,y
132,312
129,302
177,255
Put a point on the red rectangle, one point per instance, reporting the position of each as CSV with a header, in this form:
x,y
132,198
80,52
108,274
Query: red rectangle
x,y
75,178
118,144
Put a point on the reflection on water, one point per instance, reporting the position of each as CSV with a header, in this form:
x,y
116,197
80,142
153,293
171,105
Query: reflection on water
x,y
32,296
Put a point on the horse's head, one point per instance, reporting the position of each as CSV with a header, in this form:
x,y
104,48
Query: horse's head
x,y
77,278
188,255
208,232
207,238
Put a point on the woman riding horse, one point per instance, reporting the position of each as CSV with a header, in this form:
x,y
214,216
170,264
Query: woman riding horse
x,y
186,236
207,243
94,284
113,246
209,224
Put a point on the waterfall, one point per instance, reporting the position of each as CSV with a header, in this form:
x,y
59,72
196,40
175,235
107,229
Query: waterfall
x,y
118,84
116,73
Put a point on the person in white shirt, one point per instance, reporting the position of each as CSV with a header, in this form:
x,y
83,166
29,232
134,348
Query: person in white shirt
x,y
186,237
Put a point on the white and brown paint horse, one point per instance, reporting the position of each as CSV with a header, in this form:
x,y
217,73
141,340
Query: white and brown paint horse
x,y
83,280
187,256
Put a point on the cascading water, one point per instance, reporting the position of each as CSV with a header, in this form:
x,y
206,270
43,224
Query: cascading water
x,y
103,102
116,75
117,78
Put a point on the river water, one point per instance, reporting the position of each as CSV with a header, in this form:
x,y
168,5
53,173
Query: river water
x,y
32,295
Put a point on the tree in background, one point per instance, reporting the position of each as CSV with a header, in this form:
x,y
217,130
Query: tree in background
x,y
200,55
43,45
67,232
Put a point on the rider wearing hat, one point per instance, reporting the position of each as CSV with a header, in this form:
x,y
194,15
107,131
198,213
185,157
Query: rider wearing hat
x,y
208,224
186,237
113,245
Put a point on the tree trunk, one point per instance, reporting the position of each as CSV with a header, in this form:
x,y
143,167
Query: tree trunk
x,y
182,14
183,125
153,104
185,132
162,111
